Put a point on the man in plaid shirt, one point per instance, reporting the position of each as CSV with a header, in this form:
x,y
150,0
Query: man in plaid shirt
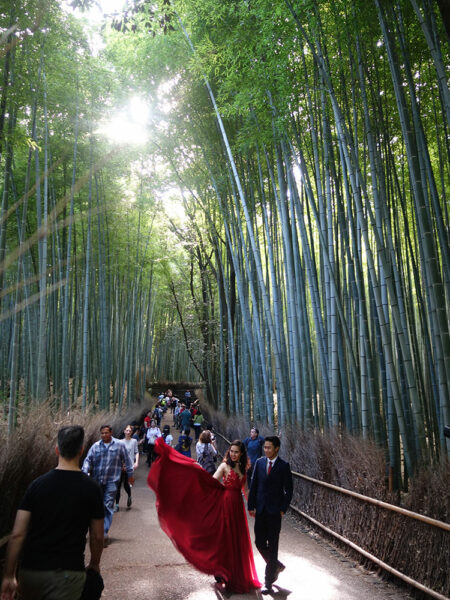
x,y
104,462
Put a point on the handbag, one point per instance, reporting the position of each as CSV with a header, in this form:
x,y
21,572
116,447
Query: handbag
x,y
93,586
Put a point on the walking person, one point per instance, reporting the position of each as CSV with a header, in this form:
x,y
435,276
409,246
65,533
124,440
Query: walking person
x,y
269,498
187,399
176,416
104,463
147,421
153,433
185,418
184,443
132,448
198,422
168,437
254,444
51,526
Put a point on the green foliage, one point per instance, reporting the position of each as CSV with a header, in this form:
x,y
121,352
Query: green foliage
x,y
303,257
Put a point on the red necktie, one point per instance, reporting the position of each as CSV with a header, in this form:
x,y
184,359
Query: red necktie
x,y
270,467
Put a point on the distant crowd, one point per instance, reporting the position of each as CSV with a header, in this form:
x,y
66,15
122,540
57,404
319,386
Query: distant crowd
x,y
186,415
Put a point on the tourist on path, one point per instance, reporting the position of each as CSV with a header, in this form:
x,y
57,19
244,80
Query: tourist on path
x,y
206,452
153,433
51,526
187,399
184,443
215,538
168,437
147,421
185,418
198,422
254,444
132,449
104,463
268,500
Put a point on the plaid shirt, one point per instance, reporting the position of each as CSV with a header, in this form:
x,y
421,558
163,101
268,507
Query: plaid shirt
x,y
104,463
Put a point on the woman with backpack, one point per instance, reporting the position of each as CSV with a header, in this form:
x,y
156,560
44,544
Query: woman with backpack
x,y
206,452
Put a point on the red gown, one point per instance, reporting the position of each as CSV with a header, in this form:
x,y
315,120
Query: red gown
x,y
204,519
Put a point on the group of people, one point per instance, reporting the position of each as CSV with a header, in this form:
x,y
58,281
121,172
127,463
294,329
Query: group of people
x,y
186,415
60,507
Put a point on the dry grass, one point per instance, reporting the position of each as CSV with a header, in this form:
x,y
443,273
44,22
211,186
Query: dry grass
x,y
30,451
410,546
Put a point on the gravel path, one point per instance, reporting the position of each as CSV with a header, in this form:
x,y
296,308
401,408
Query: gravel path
x,y
141,563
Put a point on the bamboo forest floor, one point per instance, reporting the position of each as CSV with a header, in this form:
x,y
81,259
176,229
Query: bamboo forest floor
x,y
140,562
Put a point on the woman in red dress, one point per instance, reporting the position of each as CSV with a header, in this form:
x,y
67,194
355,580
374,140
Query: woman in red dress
x,y
214,538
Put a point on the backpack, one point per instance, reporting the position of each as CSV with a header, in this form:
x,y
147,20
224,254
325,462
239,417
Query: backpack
x,y
184,443
207,459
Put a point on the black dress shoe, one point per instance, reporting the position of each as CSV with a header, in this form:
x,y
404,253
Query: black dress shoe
x,y
267,589
278,570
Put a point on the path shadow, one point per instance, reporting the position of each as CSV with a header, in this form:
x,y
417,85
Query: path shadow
x,y
280,593
224,595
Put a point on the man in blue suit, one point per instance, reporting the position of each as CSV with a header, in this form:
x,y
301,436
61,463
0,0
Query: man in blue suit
x,y
269,498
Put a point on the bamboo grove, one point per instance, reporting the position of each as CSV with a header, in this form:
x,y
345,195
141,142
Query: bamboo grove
x,y
309,282
76,269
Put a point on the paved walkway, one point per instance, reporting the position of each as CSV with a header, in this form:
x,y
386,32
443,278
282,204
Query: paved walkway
x,y
142,564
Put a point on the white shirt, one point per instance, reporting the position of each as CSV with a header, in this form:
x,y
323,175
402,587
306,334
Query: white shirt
x,y
152,434
132,448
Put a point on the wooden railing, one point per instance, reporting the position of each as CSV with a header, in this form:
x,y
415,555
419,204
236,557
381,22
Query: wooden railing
x,y
379,503
368,499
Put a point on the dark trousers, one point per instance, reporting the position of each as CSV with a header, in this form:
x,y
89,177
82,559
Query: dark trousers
x,y
150,454
126,486
267,534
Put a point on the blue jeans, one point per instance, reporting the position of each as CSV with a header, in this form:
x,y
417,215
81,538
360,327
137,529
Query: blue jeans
x,y
109,495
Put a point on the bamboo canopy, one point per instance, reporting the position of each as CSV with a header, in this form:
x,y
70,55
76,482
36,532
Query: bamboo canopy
x,y
305,275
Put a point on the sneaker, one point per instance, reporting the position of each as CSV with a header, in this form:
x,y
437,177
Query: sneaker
x,y
116,508
129,502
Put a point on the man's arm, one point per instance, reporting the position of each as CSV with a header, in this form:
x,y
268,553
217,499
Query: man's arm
x,y
136,456
96,535
87,463
288,487
18,535
251,502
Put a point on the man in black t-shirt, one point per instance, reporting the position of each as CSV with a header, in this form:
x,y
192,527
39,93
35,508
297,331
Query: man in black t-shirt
x,y
49,533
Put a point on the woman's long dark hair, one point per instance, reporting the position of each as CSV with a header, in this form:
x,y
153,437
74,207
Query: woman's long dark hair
x,y
242,460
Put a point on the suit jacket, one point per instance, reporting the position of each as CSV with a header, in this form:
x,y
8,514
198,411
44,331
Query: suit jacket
x,y
272,492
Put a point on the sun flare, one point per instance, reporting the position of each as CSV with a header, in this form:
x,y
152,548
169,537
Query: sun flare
x,y
128,125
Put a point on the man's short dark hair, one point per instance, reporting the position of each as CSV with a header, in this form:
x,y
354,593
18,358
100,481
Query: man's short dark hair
x,y
274,439
256,429
70,441
106,427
